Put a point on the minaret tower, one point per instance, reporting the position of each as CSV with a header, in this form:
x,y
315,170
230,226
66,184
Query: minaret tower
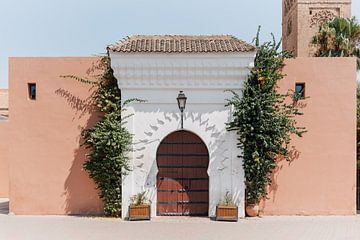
x,y
302,18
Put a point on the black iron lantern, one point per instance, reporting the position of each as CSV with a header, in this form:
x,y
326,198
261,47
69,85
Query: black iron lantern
x,y
181,99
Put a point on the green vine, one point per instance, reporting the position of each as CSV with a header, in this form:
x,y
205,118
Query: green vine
x,y
108,140
263,120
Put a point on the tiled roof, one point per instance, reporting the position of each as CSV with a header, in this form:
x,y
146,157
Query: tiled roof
x,y
181,44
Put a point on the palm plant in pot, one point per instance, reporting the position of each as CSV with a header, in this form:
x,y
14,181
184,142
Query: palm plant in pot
x,y
139,208
227,210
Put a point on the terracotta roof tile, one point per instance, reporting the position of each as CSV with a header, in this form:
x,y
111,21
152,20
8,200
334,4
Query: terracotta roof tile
x,y
181,44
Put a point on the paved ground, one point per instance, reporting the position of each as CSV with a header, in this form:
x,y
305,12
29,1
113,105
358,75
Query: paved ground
x,y
77,228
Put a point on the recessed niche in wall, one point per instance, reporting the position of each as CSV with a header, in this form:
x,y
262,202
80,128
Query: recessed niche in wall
x,y
300,90
32,91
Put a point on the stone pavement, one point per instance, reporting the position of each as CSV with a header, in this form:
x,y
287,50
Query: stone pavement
x,y
176,228
289,228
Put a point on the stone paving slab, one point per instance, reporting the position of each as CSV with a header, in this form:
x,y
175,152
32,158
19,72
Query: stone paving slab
x,y
178,228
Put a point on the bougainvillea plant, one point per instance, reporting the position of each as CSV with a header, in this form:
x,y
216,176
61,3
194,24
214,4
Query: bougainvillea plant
x,y
263,119
108,141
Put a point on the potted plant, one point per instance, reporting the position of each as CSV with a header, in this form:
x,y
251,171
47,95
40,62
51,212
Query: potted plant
x,y
139,208
227,210
252,209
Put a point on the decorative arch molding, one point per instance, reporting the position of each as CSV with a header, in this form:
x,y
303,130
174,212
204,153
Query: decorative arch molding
x,y
320,16
225,168
289,26
158,78
288,4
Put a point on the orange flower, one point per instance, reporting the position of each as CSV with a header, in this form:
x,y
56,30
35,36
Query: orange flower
x,y
261,79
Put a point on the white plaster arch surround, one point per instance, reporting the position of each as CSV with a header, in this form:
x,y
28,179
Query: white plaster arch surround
x,y
157,78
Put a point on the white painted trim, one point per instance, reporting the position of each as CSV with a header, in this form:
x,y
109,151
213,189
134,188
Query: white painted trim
x,y
157,78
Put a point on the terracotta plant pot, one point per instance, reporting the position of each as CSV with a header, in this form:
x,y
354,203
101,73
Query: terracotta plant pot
x,y
226,213
252,210
139,212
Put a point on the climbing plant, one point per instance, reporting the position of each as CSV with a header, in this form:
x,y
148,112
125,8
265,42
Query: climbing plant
x,y
108,141
263,119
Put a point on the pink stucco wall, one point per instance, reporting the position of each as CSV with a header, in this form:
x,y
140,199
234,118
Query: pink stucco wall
x,y
45,156
4,169
321,180
4,134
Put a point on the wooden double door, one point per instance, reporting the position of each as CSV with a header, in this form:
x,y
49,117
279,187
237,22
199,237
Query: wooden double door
x,y
182,181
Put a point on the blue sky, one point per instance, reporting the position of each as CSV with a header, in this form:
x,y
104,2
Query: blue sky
x,y
86,27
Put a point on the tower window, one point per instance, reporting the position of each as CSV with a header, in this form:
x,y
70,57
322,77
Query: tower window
x,y
299,90
32,91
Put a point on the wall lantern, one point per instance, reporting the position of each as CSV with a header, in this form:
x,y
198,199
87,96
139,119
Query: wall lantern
x,y
181,99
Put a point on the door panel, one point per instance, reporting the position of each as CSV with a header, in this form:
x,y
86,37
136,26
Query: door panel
x,y
195,197
169,197
191,172
182,181
168,184
197,209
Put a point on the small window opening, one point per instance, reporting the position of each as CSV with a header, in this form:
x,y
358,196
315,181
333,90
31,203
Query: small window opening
x,y
32,91
311,12
300,90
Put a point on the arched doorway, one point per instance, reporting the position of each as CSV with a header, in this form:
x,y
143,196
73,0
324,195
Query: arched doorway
x,y
182,181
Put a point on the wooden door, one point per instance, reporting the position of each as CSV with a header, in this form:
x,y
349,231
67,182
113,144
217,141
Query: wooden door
x,y
182,181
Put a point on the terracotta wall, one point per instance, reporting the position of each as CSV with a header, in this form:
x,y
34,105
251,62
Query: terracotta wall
x,y
45,156
321,180
4,170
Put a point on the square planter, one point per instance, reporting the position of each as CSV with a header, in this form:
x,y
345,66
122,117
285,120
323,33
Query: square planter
x,y
226,213
141,212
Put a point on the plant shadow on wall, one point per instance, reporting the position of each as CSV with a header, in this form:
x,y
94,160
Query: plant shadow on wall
x,y
81,198
105,142
167,121
264,121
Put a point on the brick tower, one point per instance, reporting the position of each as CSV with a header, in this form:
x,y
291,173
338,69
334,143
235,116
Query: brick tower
x,y
301,20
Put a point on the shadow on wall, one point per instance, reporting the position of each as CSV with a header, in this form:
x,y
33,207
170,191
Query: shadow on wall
x,y
80,191
81,106
220,165
294,154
